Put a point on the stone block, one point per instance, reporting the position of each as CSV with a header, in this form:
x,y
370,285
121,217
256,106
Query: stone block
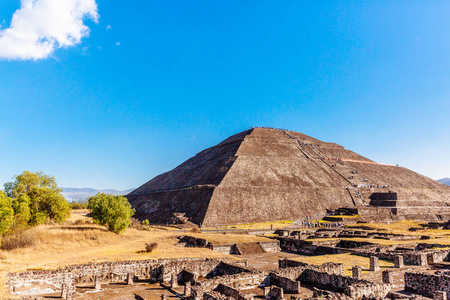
x,y
398,261
187,289
266,290
174,281
387,277
430,259
439,295
130,277
423,260
357,272
276,293
97,285
64,291
374,264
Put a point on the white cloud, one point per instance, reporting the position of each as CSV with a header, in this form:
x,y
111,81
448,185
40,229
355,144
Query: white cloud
x,y
40,27
118,44
108,27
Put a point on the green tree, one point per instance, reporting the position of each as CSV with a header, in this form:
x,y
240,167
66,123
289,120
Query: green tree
x,y
41,194
6,213
112,211
22,214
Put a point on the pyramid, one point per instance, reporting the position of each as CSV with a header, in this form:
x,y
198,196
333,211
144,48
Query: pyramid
x,y
265,174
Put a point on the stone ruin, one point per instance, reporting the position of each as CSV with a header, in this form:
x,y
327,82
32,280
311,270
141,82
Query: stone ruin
x,y
202,278
198,278
238,248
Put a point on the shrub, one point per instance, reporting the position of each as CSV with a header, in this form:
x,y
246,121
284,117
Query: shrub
x,y
145,222
82,222
110,210
19,239
136,224
149,247
196,230
78,205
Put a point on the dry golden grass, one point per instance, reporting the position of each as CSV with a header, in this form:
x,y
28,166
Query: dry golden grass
x,y
345,216
347,260
442,241
402,227
398,227
262,225
79,214
374,241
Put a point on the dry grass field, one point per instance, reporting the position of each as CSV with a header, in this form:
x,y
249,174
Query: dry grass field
x,y
402,227
261,225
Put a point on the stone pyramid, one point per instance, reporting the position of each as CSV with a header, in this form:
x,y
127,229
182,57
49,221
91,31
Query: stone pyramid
x,y
266,174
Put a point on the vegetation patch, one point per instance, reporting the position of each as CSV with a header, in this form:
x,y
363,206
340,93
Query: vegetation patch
x,y
150,247
19,239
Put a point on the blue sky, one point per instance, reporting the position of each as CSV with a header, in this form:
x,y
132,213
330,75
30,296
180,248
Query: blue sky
x,y
155,82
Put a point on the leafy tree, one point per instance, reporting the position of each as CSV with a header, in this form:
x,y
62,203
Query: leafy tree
x,y
22,214
6,213
110,210
41,194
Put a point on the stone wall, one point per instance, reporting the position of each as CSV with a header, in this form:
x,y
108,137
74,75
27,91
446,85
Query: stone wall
x,y
329,275
213,295
426,284
119,271
242,280
232,292
225,249
224,268
411,257
308,247
286,283
270,246
352,287
330,267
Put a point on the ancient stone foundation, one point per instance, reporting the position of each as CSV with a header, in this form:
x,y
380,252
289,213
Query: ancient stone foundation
x,y
222,280
427,284
94,274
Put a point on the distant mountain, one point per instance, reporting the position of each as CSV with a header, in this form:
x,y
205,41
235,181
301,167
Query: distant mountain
x,y
445,181
81,194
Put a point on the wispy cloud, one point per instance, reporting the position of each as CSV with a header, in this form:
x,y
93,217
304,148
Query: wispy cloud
x,y
40,27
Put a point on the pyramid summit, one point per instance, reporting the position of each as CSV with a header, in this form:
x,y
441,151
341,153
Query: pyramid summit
x,y
265,174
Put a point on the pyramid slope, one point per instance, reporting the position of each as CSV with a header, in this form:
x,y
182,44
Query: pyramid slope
x,y
206,168
271,179
267,175
187,188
